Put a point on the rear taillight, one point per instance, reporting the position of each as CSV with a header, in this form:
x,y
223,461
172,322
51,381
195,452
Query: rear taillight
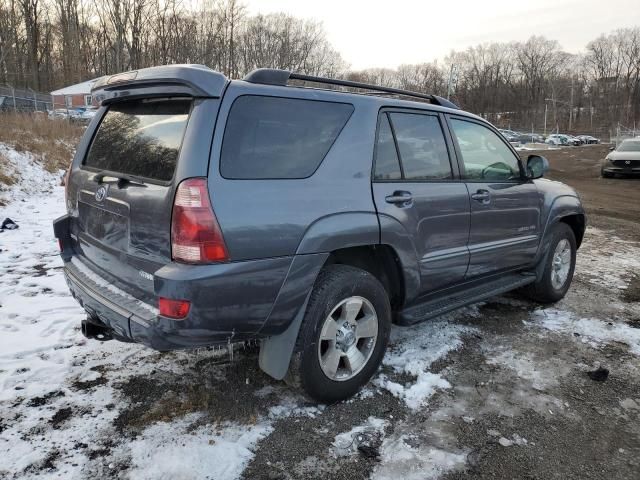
x,y
195,234
176,309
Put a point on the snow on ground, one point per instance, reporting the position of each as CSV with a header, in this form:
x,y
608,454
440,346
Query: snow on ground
x,y
593,331
413,350
607,260
165,450
400,460
31,177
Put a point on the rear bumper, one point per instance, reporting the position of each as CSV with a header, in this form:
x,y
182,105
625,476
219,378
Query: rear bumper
x,y
230,302
224,307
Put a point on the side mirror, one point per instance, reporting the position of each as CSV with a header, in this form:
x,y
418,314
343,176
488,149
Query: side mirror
x,y
611,149
537,166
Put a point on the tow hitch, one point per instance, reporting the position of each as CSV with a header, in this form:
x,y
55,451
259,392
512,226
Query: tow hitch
x,y
95,331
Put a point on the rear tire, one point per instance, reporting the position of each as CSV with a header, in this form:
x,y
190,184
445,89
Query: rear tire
x,y
343,335
560,263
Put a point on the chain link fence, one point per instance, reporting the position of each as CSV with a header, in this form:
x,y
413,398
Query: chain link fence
x,y
24,100
622,133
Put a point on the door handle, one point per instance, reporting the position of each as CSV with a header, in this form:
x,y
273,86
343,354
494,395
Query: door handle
x,y
482,196
400,198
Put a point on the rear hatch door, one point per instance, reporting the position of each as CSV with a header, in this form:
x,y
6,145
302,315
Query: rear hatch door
x,y
122,185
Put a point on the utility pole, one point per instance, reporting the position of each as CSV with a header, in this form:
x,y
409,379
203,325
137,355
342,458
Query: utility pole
x,y
571,105
452,77
545,117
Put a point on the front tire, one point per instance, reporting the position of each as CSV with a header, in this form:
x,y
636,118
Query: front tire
x,y
343,335
560,263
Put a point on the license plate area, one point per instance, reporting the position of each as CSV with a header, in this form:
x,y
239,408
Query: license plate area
x,y
107,227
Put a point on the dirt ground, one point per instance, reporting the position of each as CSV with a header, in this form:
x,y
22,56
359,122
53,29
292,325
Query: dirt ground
x,y
514,395
609,201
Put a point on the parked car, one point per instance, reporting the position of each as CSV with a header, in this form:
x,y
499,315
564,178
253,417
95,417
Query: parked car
x,y
531,138
557,139
60,113
510,135
80,115
588,139
575,141
623,159
309,219
562,139
88,114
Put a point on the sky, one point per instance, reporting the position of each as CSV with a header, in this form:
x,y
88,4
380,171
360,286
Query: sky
x,y
392,32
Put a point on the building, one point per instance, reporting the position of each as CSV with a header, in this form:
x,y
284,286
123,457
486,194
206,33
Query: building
x,y
74,96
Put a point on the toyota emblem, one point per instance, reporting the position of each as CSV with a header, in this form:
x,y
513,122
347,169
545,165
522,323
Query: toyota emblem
x,y
101,192
628,162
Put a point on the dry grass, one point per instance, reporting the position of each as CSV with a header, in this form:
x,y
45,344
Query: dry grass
x,y
6,178
52,142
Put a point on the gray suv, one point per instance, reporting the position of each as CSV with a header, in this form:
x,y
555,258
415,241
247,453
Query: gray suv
x,y
203,211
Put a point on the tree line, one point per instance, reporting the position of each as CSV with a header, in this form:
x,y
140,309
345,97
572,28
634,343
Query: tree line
x,y
46,44
520,84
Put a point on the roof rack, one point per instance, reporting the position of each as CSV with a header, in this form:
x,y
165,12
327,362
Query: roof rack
x,y
272,76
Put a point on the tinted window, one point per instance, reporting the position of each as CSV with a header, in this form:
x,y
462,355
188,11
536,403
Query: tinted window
x,y
387,165
140,138
271,137
422,148
484,153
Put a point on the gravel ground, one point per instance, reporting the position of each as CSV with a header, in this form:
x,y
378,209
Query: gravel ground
x,y
509,388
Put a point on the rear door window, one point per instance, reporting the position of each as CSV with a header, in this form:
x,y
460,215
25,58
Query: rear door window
x,y
273,137
140,139
422,147
387,164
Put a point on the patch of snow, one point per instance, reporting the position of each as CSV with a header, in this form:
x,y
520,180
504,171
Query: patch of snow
x,y
527,366
398,459
413,350
174,451
32,178
505,442
416,394
289,406
592,331
607,260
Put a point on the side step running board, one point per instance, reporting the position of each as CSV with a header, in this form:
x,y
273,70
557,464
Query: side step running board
x,y
443,304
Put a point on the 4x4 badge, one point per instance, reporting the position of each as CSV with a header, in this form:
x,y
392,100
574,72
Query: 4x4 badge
x,y
101,192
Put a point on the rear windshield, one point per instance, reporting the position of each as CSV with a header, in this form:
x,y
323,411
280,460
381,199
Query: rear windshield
x,y
140,138
271,137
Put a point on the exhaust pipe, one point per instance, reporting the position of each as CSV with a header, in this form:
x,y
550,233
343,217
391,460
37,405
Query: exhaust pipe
x,y
96,331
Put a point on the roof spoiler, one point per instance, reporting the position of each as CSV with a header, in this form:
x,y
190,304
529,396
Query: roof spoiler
x,y
162,81
272,76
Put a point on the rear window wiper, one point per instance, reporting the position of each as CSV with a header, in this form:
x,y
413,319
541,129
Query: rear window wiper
x,y
121,179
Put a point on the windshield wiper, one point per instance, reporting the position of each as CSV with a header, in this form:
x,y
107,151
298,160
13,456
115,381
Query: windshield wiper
x,y
122,180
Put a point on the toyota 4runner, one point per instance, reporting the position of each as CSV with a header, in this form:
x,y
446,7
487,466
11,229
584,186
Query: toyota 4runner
x,y
203,211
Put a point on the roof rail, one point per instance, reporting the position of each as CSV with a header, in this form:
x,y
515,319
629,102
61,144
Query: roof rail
x,y
273,76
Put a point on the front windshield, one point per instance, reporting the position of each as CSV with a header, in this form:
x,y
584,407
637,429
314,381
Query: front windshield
x,y
629,146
